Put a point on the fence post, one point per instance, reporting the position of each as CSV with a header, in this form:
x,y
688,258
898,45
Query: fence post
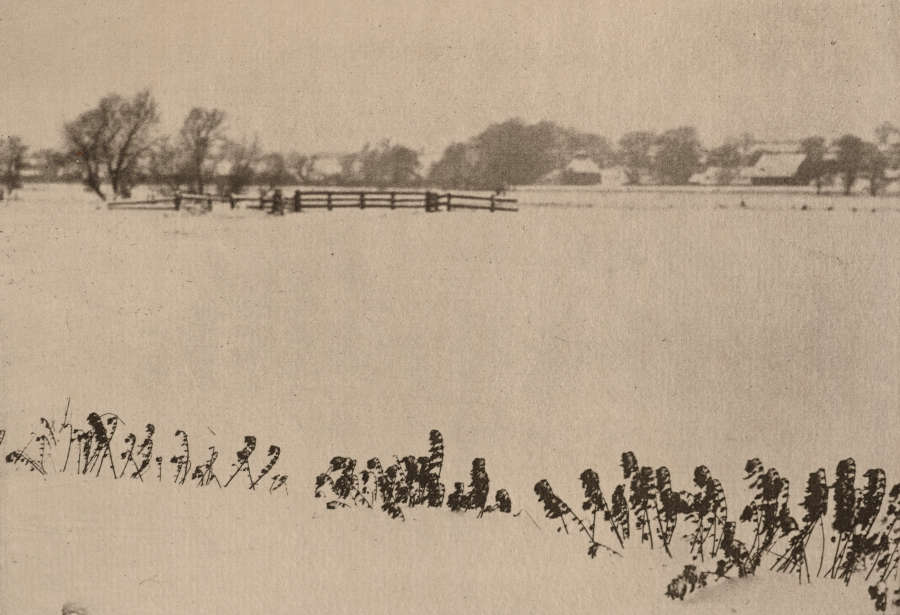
x,y
231,200
492,202
449,196
177,201
298,201
328,204
393,200
428,200
262,201
362,200
277,202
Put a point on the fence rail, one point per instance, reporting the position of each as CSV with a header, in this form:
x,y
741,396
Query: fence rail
x,y
338,199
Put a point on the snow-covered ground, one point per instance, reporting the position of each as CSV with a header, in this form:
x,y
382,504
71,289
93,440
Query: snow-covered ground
x,y
677,325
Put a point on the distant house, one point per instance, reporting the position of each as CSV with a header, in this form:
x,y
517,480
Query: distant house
x,y
892,180
553,177
638,176
582,171
31,169
743,177
712,176
775,147
326,167
776,169
615,176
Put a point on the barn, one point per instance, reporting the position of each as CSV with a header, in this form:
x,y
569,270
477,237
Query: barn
x,y
582,171
776,169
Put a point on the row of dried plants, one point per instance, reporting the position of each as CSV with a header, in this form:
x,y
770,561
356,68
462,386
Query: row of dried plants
x,y
93,448
858,535
408,482
846,530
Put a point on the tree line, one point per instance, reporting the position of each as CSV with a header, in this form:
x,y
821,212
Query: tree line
x,y
117,144
854,158
673,156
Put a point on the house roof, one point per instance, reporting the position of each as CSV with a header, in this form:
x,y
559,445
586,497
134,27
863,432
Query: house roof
x,y
776,147
697,178
710,174
583,166
777,165
552,177
327,165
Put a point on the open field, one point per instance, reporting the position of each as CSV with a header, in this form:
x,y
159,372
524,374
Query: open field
x,y
677,325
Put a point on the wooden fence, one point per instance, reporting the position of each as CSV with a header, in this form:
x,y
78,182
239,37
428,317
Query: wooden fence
x,y
335,199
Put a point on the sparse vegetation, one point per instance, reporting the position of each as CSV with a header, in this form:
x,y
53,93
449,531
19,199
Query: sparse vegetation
x,y
858,535
862,542
91,449
12,160
409,482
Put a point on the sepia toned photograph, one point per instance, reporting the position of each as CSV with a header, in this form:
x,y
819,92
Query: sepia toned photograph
x,y
400,307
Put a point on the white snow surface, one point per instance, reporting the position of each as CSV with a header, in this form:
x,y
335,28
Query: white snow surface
x,y
677,325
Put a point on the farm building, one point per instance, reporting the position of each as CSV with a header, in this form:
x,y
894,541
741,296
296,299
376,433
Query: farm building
x,y
615,176
892,180
711,176
776,170
554,177
582,171
326,167
775,147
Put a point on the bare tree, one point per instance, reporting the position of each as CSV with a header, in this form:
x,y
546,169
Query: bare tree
x,y
274,171
727,157
887,136
302,166
884,131
814,167
745,144
678,156
242,157
131,140
53,165
635,148
112,138
200,135
850,160
12,158
84,139
875,163
168,165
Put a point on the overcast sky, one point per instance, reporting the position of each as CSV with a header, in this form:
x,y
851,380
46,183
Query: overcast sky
x,y
325,75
